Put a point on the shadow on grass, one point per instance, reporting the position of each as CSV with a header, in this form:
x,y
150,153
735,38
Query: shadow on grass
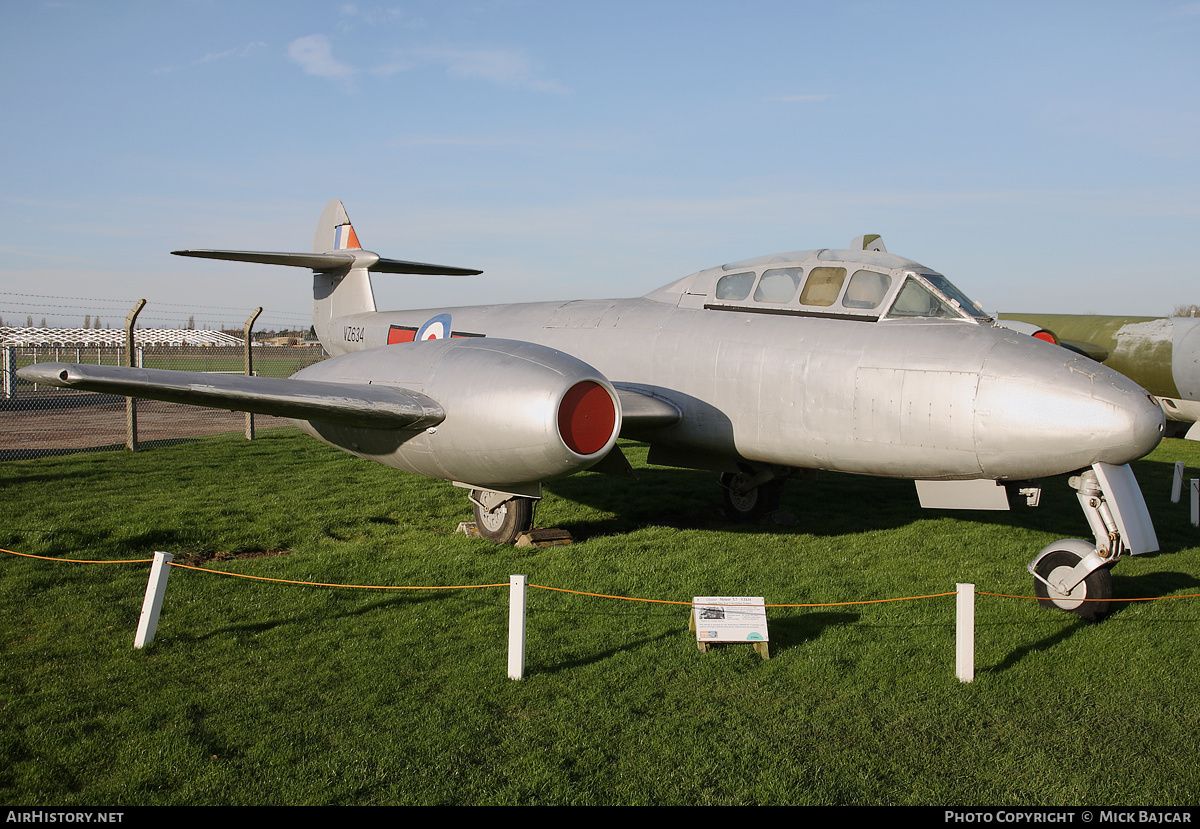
x,y
803,628
1044,644
834,504
1150,586
391,603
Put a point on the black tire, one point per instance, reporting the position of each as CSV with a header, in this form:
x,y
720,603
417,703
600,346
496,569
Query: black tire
x,y
507,521
1097,586
754,503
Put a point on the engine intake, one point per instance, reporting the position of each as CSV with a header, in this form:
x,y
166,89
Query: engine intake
x,y
517,413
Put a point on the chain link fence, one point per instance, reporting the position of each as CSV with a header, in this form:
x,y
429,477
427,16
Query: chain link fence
x,y
38,420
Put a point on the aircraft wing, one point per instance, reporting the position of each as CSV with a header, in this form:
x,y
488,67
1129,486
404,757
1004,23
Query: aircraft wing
x,y
349,404
642,409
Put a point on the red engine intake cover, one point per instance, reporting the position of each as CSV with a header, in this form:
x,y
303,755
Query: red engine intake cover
x,y
586,417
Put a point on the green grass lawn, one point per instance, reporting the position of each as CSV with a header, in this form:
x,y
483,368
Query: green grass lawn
x,y
261,693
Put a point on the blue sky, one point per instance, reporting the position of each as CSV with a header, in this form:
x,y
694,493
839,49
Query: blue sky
x,y
1045,156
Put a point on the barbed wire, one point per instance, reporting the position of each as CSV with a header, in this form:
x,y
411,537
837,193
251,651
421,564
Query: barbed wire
x,y
129,302
206,315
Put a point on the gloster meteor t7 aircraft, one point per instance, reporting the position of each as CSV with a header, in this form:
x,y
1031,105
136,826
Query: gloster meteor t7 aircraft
x,y
850,360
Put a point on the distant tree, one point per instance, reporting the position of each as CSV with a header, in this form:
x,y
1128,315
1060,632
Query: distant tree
x,y
1187,311
87,321
43,322
29,321
191,326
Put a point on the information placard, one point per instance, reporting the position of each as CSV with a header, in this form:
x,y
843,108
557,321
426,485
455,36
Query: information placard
x,y
729,619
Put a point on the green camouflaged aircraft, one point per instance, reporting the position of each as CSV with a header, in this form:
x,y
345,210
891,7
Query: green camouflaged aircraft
x,y
1161,354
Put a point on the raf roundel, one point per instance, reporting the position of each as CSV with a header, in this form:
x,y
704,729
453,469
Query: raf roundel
x,y
436,328
586,418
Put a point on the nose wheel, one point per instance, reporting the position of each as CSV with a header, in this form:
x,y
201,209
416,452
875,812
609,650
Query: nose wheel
x,y
1088,599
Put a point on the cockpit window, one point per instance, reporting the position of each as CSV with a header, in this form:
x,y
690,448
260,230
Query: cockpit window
x,y
866,289
823,286
957,297
778,285
736,286
915,300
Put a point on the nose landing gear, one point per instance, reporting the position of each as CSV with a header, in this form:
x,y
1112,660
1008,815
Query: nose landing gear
x,y
1074,575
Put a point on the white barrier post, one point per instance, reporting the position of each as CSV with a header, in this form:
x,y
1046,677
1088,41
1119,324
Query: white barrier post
x,y
964,633
1177,482
156,589
1196,502
516,627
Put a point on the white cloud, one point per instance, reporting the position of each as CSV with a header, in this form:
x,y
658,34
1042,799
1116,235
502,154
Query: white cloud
x,y
351,14
498,66
315,57
240,52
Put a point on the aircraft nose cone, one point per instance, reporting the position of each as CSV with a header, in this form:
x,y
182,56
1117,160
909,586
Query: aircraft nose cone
x,y
1042,410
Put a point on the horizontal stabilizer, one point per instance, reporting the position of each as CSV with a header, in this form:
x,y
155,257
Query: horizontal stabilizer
x,y
332,261
346,404
316,261
400,266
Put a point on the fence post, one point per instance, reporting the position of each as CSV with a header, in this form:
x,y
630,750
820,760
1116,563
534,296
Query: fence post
x,y
1195,486
130,403
1177,482
156,589
250,368
964,632
516,627
10,369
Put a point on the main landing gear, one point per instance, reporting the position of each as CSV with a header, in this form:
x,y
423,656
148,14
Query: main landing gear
x,y
1074,575
749,496
500,517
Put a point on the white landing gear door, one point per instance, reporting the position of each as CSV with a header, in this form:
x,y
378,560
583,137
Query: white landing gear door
x,y
1124,499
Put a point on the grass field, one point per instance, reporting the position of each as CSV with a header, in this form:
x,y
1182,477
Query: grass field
x,y
260,693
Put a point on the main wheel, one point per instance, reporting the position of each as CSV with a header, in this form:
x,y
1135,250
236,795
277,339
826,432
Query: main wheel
x,y
753,503
503,524
1097,586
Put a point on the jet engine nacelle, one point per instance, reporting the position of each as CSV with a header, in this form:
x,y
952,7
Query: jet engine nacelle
x,y
515,413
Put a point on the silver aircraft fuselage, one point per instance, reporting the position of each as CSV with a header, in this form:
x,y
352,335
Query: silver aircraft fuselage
x,y
827,386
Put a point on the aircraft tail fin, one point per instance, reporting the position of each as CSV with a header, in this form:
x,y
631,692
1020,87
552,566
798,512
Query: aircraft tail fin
x,y
340,266
334,231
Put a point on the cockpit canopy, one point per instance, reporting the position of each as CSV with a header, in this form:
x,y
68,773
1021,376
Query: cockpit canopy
x,y
866,285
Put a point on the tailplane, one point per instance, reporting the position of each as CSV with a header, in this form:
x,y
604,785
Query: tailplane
x,y
341,281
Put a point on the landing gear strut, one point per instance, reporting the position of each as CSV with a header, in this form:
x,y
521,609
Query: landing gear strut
x,y
1074,575
749,497
499,517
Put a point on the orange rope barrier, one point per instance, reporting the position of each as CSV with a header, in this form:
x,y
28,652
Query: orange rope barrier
x,y
716,604
328,584
78,560
1141,599
564,590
